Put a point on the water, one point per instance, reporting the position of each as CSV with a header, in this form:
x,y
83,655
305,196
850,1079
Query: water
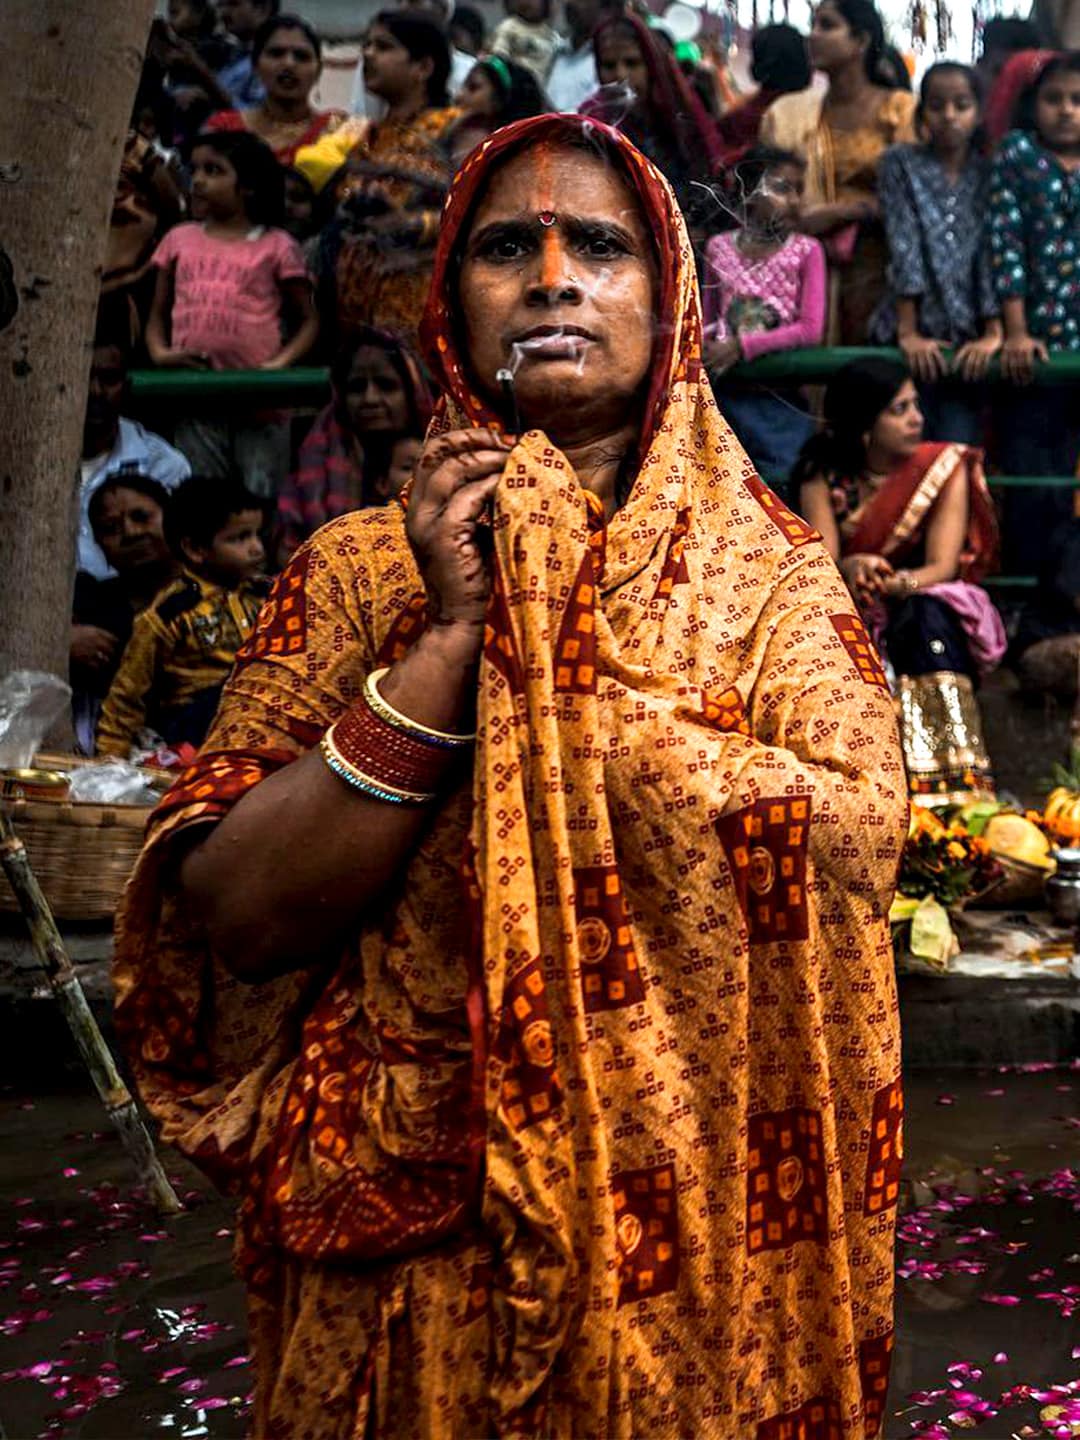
x,y
134,1327
110,1298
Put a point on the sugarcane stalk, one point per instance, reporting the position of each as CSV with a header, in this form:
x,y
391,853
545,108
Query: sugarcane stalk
x,y
97,1057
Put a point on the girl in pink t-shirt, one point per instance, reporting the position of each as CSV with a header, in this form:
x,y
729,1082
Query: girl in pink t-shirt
x,y
233,293
764,290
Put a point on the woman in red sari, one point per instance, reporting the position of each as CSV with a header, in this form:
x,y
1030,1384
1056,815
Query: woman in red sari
x,y
538,807
287,56
645,94
913,529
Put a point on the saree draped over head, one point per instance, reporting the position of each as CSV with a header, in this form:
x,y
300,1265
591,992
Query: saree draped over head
x,y
595,1128
842,165
673,127
941,728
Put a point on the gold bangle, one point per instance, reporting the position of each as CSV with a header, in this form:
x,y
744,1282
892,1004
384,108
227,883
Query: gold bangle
x,y
386,711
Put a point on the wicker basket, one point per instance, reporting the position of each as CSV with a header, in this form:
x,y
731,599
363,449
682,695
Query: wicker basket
x,y
81,853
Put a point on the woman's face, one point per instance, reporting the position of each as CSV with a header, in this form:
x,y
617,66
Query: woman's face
x,y
833,44
898,430
375,398
558,283
129,527
478,95
288,66
389,70
621,61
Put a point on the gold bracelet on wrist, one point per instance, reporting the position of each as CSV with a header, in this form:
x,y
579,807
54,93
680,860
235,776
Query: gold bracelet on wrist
x,y
386,711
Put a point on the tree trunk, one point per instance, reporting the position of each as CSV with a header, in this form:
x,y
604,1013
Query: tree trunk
x,y
68,72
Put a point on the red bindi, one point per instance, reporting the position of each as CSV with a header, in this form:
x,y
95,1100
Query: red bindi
x,y
547,218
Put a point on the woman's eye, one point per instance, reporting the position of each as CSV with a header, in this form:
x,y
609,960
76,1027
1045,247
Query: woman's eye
x,y
504,247
602,247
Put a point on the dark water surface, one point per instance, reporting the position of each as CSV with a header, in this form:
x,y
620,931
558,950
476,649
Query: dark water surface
x,y
117,1326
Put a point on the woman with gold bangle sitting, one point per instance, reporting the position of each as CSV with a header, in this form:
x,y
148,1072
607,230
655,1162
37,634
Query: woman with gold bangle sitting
x,y
517,948
912,527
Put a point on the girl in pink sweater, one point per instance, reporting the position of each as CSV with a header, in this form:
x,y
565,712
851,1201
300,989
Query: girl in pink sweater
x,y
764,289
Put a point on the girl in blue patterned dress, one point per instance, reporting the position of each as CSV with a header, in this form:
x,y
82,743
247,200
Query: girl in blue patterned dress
x,y
933,199
1034,231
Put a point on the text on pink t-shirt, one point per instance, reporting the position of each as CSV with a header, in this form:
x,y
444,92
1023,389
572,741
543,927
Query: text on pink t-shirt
x,y
227,293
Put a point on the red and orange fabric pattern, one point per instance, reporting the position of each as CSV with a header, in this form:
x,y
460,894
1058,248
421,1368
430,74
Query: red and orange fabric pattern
x,y
595,1129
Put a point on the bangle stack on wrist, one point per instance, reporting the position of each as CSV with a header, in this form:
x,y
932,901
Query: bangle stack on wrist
x,y
384,754
909,582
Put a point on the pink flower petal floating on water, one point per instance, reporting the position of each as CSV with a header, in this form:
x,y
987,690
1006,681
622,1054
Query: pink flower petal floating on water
x,y
946,1100
1000,1299
1001,1358
95,1285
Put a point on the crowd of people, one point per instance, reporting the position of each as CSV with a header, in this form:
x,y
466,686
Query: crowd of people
x,y
252,230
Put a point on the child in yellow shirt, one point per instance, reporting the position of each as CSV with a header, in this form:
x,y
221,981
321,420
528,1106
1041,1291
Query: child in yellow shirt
x,y
183,645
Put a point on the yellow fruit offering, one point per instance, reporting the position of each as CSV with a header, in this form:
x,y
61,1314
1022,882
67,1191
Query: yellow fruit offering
x,y
1062,815
1014,838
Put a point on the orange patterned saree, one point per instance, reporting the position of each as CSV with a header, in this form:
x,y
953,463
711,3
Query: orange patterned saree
x,y
595,1129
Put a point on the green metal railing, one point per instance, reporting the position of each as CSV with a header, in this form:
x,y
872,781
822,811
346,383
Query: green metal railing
x,y
307,386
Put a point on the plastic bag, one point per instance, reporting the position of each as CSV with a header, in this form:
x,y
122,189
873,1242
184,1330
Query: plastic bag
x,y
113,782
31,702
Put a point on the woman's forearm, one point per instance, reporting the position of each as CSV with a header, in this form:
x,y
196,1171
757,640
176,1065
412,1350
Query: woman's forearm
x,y
292,868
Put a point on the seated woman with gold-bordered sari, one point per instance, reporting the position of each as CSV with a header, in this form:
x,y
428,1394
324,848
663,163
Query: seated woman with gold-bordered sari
x,y
912,527
517,948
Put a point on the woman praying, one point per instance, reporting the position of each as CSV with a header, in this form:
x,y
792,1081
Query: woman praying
x,y
540,805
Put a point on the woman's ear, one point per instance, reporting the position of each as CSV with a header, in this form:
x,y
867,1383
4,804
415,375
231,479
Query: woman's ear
x,y
427,67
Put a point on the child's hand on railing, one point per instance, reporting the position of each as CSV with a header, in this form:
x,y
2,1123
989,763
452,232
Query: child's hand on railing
x,y
173,359
972,361
924,356
1018,357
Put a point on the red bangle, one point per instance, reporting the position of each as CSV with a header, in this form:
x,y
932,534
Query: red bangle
x,y
383,753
